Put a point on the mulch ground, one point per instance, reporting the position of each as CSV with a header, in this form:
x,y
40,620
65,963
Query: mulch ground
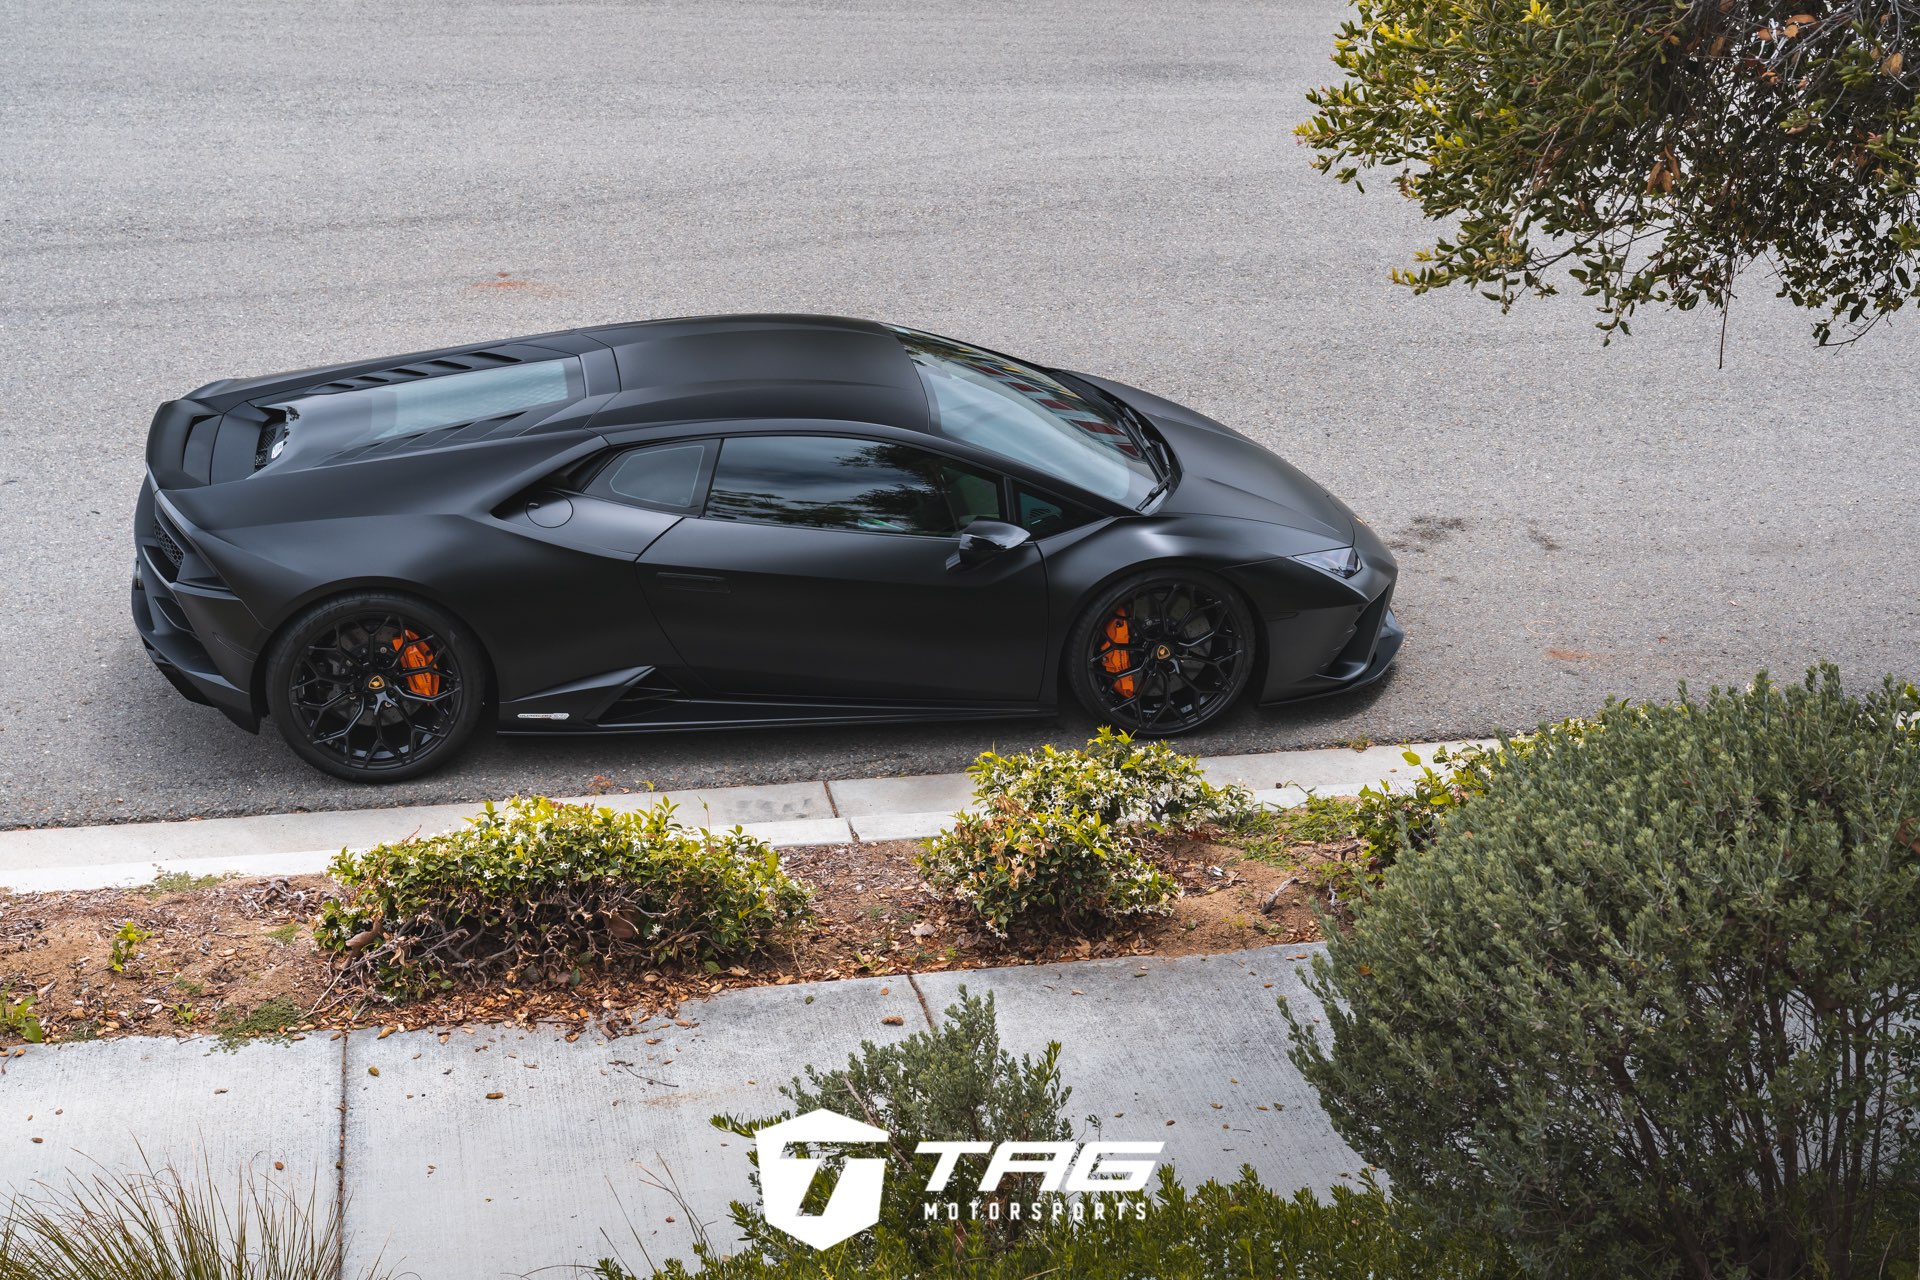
x,y
236,957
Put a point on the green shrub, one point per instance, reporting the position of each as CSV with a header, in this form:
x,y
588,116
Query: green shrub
x,y
1237,1231
126,945
1390,823
1122,782
1653,999
1060,834
954,1081
157,1225
17,1017
538,891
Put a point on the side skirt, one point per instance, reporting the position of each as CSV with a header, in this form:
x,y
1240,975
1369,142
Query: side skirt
x,y
648,699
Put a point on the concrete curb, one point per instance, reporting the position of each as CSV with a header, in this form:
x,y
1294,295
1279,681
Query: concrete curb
x,y
785,814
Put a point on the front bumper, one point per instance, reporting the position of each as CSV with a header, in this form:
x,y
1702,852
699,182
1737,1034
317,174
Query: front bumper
x,y
1350,671
183,612
1342,635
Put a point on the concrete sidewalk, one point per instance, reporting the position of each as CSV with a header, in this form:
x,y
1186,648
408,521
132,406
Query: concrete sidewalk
x,y
787,814
493,1151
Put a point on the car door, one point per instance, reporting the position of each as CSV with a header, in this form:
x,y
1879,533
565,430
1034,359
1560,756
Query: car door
x,y
819,568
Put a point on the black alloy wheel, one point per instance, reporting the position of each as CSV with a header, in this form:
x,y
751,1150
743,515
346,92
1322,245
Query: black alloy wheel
x,y
1162,653
375,687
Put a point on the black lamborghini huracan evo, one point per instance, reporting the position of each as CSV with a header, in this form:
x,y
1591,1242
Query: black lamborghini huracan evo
x,y
729,521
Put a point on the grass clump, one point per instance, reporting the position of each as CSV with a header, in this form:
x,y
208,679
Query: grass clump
x,y
158,1225
269,1021
179,882
1268,834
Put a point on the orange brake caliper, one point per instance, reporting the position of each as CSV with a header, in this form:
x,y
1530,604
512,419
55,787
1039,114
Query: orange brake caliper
x,y
415,654
1115,660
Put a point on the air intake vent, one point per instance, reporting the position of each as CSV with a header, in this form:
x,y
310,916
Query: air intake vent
x,y
272,436
641,700
169,545
411,372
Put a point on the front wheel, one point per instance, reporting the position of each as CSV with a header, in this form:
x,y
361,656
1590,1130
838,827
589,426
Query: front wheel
x,y
375,687
1162,653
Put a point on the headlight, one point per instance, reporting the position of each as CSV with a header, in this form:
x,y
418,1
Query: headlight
x,y
1341,562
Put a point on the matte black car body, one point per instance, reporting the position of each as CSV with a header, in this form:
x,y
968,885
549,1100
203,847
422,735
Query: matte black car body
x,y
596,614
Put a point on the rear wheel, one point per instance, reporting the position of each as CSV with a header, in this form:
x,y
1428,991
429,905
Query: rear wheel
x,y
1162,653
375,687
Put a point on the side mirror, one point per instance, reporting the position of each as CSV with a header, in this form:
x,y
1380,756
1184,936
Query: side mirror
x,y
984,539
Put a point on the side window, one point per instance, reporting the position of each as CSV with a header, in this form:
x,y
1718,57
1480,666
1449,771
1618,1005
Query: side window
x,y
670,476
826,482
1041,514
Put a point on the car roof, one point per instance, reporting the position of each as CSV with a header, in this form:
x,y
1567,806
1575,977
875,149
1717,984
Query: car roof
x,y
692,369
704,368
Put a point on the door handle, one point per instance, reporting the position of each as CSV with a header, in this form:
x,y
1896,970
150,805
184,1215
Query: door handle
x,y
693,582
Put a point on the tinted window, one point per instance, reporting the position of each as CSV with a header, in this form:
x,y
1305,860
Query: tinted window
x,y
830,483
1025,414
1041,514
662,475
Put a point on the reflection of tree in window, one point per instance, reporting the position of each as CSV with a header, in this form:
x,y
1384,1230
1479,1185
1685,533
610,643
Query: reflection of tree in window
x,y
1067,404
1022,413
825,483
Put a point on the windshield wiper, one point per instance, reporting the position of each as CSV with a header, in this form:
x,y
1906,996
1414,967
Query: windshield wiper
x,y
1140,428
1145,435
1160,486
1162,455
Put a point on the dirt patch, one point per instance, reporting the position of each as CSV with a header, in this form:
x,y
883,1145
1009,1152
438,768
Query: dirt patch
x,y
1427,531
189,960
237,957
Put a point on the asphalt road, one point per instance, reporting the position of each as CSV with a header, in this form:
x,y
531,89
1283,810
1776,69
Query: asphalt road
x,y
197,190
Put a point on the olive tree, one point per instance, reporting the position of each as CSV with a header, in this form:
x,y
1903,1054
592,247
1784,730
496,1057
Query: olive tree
x,y
1655,148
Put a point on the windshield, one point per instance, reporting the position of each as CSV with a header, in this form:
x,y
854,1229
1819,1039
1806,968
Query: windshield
x,y
1030,417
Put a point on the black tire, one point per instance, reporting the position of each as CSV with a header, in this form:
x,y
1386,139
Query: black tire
x,y
375,686
1163,652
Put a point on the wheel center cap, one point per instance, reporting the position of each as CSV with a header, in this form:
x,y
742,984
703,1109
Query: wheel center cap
x,y
376,683
1163,653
